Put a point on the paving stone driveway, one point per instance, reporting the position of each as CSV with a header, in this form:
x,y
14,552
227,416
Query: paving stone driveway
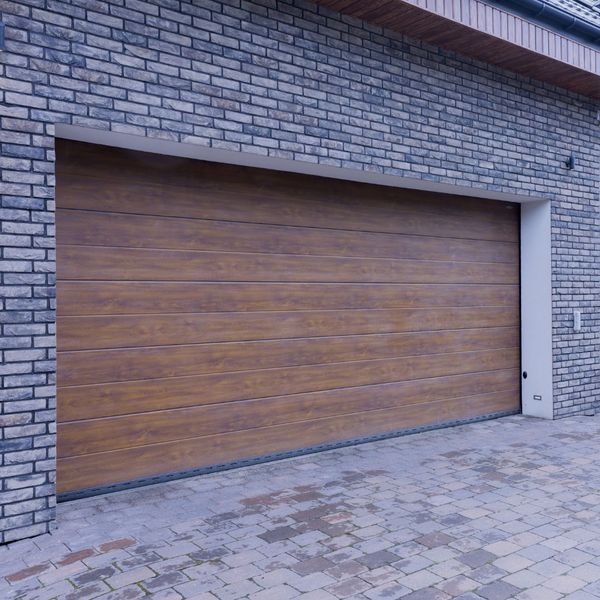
x,y
495,510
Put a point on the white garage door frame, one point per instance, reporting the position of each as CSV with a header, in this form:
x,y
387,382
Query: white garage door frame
x,y
536,269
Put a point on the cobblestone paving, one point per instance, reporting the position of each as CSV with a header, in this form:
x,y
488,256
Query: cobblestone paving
x,y
495,510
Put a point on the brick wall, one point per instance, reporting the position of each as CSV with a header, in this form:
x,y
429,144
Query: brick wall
x,y
279,78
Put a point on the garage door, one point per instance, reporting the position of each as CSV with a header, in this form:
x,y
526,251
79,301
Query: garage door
x,y
211,313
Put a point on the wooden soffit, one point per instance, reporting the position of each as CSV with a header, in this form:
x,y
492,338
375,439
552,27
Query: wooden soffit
x,y
477,29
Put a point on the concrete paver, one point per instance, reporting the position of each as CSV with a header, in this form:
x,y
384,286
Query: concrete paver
x,y
493,510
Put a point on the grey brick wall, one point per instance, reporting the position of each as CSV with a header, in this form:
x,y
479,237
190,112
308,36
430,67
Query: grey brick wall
x,y
279,78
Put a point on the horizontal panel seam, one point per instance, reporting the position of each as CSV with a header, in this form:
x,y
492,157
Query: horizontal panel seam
x,y
339,257
322,419
424,380
271,339
225,373
324,337
514,225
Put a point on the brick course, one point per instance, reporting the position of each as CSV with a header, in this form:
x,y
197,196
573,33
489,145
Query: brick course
x,y
278,78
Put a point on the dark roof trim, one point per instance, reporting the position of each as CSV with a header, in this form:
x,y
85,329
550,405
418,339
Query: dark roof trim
x,y
559,18
490,33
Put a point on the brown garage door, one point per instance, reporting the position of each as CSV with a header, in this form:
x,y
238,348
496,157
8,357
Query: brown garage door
x,y
211,313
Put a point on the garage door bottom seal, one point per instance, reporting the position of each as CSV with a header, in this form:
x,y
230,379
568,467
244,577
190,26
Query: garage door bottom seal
x,y
134,483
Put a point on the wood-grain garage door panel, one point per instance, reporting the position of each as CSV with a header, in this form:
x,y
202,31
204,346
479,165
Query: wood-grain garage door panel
x,y
121,331
119,298
209,313
129,264
101,366
288,208
181,188
106,399
103,468
79,228
85,437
